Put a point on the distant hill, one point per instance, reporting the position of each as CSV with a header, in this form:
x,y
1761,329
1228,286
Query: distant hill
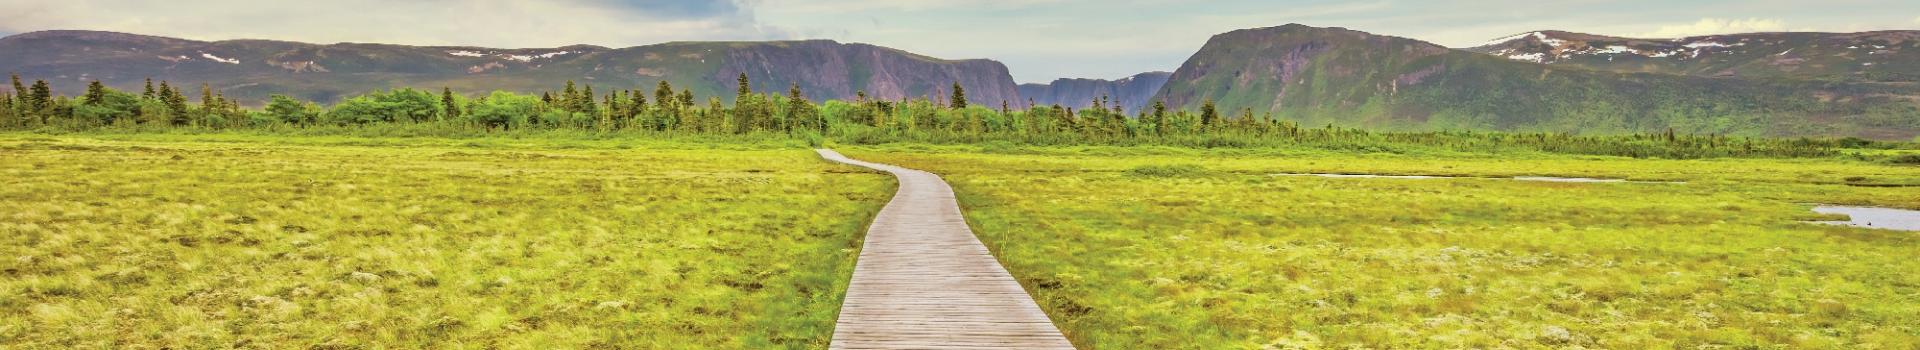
x,y
1133,93
1883,56
1320,76
250,70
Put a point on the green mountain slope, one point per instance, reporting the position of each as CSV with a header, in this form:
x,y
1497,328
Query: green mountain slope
x,y
1319,76
250,70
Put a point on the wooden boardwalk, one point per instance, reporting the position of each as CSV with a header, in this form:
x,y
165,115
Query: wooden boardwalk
x,y
923,281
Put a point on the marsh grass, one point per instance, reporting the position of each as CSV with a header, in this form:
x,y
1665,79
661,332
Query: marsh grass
x,y
195,241
1243,260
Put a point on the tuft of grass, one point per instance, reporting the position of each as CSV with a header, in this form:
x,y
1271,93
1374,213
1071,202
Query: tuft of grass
x,y
1175,170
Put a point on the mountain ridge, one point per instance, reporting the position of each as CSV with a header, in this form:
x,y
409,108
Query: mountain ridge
x,y
1871,56
1132,93
1338,76
251,69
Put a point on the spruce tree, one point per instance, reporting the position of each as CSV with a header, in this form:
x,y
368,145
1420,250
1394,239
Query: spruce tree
x,y
176,103
19,91
449,109
569,97
1159,117
96,94
585,103
206,99
746,88
800,111
959,96
663,95
1208,116
41,98
149,94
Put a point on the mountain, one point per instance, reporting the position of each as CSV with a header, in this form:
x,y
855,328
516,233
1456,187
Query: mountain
x,y
1133,93
1321,76
251,70
1882,56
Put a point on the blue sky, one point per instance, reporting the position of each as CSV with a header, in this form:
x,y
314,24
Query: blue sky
x,y
1038,39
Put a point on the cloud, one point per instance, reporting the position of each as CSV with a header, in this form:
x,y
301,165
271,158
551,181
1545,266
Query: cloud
x,y
1709,26
1916,20
502,23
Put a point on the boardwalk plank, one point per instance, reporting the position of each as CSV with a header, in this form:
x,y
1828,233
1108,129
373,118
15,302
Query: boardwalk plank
x,y
923,281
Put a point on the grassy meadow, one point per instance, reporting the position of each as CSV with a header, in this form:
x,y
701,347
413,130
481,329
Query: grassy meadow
x,y
188,242
1172,248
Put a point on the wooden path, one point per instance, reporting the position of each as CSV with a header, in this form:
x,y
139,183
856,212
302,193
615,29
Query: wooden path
x,y
923,281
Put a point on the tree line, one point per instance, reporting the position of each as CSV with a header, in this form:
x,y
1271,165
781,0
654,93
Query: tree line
x,y
864,119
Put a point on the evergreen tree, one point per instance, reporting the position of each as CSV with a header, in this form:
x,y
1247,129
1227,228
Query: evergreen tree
x,y
1159,117
663,95
800,111
1208,116
636,102
176,104
449,108
207,104
149,94
96,94
19,91
40,100
959,96
746,88
568,96
584,103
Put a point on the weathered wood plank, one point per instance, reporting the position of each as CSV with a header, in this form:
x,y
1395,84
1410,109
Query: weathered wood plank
x,y
923,281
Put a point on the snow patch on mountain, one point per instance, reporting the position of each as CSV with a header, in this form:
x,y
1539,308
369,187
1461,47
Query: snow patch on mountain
x,y
465,53
1614,50
1537,57
530,58
219,59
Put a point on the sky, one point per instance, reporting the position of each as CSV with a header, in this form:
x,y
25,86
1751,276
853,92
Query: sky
x,y
1039,40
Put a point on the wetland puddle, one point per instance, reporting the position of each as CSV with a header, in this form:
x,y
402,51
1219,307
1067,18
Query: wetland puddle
x,y
1871,217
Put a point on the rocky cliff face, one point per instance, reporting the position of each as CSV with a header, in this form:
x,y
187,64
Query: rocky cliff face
x,y
1132,93
1321,76
826,69
251,70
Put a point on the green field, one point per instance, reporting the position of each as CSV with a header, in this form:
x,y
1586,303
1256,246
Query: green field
x,y
154,242
1168,248
240,240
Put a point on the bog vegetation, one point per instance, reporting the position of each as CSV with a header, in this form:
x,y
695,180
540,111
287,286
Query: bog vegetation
x,y
666,111
347,244
1127,248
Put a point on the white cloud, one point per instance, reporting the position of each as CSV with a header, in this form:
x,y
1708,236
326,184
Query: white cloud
x,y
501,23
1709,26
1916,20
